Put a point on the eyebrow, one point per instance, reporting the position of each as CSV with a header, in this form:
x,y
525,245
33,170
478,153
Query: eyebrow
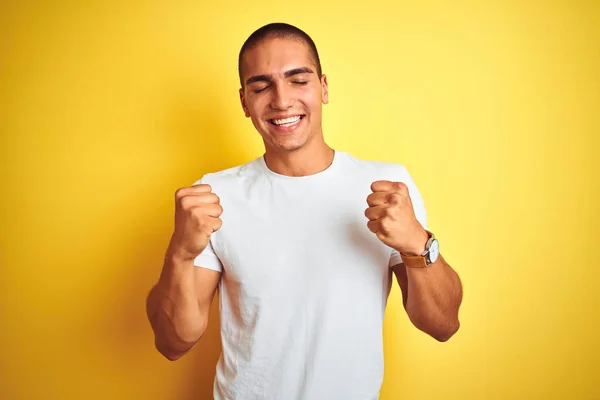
x,y
287,74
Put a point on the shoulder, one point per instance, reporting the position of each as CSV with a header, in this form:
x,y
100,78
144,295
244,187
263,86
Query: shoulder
x,y
373,170
230,175
379,170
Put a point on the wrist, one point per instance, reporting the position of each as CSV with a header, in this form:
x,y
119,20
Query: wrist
x,y
180,257
176,274
419,245
179,254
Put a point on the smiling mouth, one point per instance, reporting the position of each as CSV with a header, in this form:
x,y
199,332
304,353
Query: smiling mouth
x,y
286,121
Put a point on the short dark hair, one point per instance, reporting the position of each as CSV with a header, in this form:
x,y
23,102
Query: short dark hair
x,y
279,30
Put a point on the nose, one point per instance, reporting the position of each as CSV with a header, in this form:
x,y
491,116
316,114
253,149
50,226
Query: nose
x,y
281,98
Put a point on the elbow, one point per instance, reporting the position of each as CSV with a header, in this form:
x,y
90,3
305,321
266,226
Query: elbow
x,y
172,356
170,353
175,348
444,335
174,341
438,326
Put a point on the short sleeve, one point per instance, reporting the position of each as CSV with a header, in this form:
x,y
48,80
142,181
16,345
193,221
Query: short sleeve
x,y
208,259
418,207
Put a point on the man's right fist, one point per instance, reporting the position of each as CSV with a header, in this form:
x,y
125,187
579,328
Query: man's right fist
x,y
197,212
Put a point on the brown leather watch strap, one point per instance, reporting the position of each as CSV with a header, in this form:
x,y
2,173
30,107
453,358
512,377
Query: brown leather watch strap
x,y
414,261
419,261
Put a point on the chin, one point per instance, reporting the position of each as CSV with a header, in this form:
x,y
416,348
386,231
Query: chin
x,y
286,143
291,144
287,146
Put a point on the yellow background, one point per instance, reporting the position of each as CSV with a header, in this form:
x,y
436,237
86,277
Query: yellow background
x,y
107,107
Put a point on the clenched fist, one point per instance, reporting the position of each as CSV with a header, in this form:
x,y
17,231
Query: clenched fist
x,y
392,218
197,212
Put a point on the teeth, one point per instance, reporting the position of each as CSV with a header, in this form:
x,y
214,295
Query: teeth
x,y
287,121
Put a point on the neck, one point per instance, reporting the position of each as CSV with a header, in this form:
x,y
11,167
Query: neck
x,y
307,160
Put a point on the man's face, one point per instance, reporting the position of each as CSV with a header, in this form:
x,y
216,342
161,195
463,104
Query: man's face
x,y
282,93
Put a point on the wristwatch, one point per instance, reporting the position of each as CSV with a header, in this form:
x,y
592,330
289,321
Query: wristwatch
x,y
428,257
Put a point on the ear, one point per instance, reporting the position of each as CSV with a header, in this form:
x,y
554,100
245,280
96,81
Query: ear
x,y
324,89
243,101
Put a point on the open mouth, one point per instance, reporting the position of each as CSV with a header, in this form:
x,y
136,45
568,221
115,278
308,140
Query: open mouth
x,y
287,121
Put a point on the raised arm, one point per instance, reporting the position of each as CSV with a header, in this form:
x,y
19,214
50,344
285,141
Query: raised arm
x,y
432,295
178,305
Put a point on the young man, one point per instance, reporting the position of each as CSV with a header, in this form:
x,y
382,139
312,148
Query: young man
x,y
301,243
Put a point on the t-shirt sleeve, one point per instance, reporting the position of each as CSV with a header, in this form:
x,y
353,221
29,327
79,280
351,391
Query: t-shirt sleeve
x,y
208,258
418,207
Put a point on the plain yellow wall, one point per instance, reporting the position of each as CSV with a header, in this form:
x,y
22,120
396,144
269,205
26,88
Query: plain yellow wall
x,y
107,107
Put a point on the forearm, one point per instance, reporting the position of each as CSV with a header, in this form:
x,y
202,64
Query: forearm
x,y
434,298
173,309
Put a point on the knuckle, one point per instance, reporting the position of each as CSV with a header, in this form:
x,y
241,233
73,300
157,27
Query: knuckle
x,y
401,186
179,193
201,220
185,202
196,213
385,224
395,197
371,226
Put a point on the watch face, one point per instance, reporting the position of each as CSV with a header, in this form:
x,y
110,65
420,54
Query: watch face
x,y
434,251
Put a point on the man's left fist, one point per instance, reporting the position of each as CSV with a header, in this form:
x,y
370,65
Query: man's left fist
x,y
392,218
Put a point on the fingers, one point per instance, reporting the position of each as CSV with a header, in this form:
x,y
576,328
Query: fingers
x,y
207,221
376,212
382,227
382,186
381,198
380,218
212,210
213,223
377,198
191,190
194,200
396,196
374,226
388,186
192,203
207,225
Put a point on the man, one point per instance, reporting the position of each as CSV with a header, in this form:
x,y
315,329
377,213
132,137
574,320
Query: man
x,y
301,243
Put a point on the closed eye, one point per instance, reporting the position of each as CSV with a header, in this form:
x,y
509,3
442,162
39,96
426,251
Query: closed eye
x,y
300,82
261,89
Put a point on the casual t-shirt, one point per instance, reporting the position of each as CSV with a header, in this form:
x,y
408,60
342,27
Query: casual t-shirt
x,y
304,282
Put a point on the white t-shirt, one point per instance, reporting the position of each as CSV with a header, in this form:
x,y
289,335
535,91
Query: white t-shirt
x,y
304,284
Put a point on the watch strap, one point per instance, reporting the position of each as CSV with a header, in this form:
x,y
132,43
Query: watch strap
x,y
414,261
420,261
